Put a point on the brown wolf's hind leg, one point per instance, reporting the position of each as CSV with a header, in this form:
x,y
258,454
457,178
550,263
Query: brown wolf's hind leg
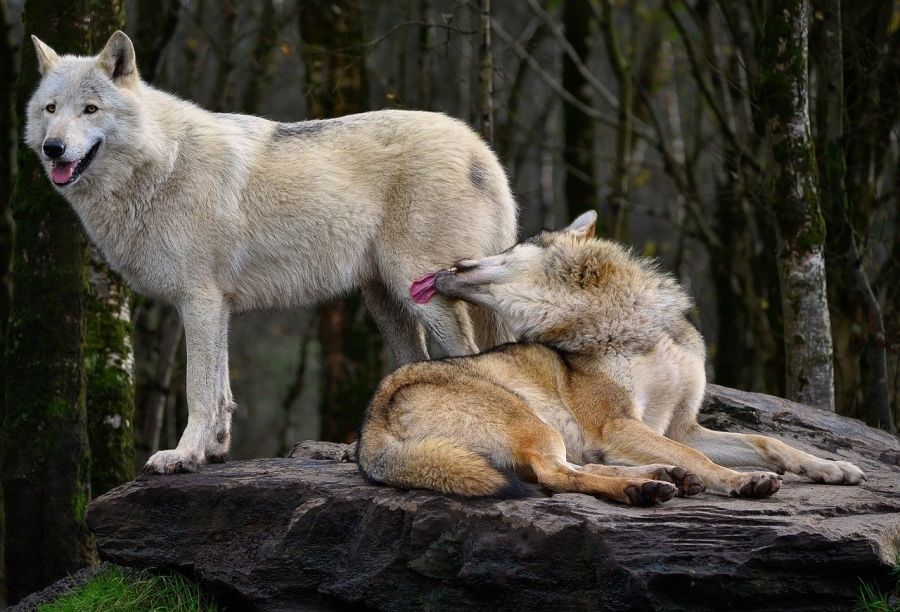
x,y
737,449
631,442
542,449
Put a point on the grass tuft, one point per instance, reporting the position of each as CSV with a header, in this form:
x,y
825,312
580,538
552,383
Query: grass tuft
x,y
871,599
120,589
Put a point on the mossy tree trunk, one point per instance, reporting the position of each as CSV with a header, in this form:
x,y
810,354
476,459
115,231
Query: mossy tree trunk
x,y
794,198
334,58
9,140
852,293
51,344
109,364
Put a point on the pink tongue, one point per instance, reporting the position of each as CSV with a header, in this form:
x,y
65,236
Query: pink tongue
x,y
423,289
62,172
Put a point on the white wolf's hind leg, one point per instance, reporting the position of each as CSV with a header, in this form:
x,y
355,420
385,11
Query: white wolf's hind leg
x,y
206,331
403,333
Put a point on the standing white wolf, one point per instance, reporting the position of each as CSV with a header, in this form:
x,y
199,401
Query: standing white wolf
x,y
223,213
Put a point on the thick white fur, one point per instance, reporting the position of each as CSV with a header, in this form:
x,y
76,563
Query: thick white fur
x,y
224,213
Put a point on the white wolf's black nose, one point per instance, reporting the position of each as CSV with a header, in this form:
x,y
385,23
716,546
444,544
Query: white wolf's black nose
x,y
54,148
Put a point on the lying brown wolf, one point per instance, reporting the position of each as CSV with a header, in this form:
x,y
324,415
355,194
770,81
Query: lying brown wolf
x,y
609,372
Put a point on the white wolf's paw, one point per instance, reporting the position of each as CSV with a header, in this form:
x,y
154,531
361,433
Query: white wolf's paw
x,y
836,472
756,484
172,462
217,450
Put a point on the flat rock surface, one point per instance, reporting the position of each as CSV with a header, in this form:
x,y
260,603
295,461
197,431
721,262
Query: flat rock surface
x,y
283,533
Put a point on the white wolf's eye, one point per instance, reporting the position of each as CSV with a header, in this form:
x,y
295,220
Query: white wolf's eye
x,y
50,108
90,109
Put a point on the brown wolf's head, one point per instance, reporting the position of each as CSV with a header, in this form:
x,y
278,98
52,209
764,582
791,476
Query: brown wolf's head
x,y
571,290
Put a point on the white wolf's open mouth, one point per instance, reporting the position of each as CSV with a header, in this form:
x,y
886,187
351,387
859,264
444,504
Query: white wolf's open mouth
x,y
67,172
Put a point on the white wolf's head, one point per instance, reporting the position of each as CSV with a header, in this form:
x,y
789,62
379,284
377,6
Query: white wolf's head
x,y
84,107
568,289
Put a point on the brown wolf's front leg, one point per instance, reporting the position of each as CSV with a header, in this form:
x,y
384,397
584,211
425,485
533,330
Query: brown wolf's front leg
x,y
737,449
688,483
629,441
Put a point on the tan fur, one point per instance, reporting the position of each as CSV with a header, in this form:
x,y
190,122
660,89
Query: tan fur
x,y
609,369
224,213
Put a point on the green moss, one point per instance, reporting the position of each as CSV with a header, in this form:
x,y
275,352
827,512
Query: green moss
x,y
109,382
121,589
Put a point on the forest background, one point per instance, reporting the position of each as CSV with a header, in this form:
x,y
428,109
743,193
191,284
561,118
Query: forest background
x,y
752,147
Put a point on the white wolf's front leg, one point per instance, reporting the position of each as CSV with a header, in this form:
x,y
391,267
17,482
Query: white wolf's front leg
x,y
206,331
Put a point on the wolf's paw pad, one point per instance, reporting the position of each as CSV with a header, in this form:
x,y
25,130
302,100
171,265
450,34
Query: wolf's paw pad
x,y
837,472
650,492
171,462
758,484
687,483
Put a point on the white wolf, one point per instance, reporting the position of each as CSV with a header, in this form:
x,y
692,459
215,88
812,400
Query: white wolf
x,y
224,213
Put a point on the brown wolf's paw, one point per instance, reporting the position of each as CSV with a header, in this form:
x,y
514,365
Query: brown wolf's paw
x,y
757,484
172,462
687,483
836,472
649,492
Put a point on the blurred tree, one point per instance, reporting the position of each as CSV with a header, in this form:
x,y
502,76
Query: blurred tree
x,y
9,138
155,24
47,479
615,219
109,364
334,58
857,72
794,199
578,127
485,71
68,347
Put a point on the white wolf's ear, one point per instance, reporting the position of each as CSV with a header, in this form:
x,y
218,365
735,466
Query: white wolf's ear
x,y
46,56
585,226
117,59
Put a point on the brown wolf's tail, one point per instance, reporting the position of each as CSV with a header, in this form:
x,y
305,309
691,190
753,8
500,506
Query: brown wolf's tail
x,y
440,464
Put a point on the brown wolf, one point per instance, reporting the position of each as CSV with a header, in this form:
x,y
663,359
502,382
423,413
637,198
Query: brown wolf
x,y
609,370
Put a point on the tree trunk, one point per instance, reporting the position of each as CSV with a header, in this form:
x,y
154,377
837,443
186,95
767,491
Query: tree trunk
x,y
578,128
263,57
53,354
620,181
155,25
485,71
336,85
9,138
109,361
47,479
794,200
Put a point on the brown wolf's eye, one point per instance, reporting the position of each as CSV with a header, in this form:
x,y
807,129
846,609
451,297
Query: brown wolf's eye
x,y
90,109
50,108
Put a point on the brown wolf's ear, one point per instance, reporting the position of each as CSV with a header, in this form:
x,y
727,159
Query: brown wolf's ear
x,y
585,226
117,59
46,56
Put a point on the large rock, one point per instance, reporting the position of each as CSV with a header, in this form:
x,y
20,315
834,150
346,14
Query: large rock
x,y
280,533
